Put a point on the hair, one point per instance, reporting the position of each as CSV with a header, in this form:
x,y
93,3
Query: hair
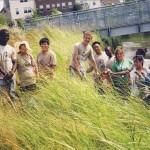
x,y
142,52
118,49
44,40
20,46
108,47
3,31
139,58
95,43
87,33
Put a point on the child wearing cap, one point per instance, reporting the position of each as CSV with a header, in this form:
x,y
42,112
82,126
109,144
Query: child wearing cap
x,y
26,67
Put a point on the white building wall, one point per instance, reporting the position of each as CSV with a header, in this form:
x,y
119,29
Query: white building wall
x,y
25,8
92,3
1,4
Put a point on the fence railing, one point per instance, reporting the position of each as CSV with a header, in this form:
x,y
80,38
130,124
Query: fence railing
x,y
99,18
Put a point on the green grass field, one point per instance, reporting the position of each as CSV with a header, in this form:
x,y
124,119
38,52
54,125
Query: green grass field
x,y
66,113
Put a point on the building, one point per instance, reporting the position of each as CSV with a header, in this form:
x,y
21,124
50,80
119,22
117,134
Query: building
x,y
110,2
21,8
90,3
45,6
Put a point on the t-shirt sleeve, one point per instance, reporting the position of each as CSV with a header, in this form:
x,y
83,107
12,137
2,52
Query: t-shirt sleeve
x,y
13,56
53,59
75,50
91,56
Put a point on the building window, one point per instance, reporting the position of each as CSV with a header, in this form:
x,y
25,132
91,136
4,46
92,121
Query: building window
x,y
58,5
23,1
81,1
94,3
25,10
63,5
69,4
47,7
53,5
17,11
29,10
41,7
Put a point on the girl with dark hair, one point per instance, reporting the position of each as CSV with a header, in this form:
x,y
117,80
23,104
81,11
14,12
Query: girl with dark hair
x,y
143,52
140,78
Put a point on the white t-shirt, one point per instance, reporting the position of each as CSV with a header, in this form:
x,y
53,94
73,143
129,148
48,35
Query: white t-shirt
x,y
7,54
82,52
146,63
137,87
101,61
110,62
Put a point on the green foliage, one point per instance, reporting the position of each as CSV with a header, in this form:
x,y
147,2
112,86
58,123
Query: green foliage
x,y
112,41
66,113
77,7
3,20
54,11
85,6
36,13
20,23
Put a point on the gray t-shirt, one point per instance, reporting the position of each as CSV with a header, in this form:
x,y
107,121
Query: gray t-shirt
x,y
45,61
82,52
110,62
25,68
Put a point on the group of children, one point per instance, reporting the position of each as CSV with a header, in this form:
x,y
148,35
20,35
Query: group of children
x,y
111,70
21,59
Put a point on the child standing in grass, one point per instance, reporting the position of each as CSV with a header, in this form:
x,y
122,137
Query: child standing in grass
x,y
46,59
7,64
81,52
140,78
26,67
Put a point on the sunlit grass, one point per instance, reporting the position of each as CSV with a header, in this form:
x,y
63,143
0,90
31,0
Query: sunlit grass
x,y
66,113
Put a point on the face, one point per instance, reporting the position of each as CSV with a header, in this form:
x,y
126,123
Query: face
x,y
108,52
44,46
4,37
86,39
138,64
23,48
97,49
120,55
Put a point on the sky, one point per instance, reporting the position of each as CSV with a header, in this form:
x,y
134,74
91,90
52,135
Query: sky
x,y
1,4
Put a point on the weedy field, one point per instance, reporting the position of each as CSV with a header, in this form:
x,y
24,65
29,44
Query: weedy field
x,y
66,113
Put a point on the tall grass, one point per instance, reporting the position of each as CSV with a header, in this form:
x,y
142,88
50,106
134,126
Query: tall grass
x,y
66,113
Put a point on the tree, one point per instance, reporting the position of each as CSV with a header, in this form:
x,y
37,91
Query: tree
x,y
54,11
20,23
85,6
77,7
3,20
36,13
